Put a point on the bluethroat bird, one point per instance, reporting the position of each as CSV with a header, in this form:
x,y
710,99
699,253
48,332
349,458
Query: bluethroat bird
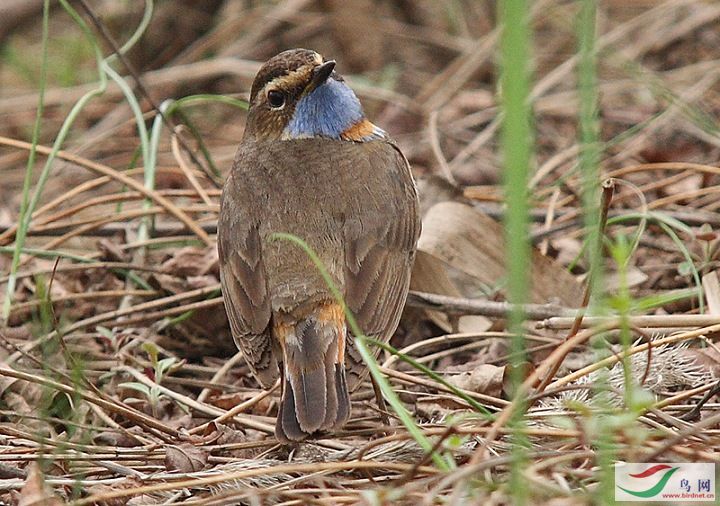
x,y
310,164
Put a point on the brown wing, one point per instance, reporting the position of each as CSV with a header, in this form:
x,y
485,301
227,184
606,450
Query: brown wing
x,y
242,276
380,252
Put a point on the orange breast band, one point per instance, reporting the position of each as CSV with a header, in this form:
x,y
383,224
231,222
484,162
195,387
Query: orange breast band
x,y
360,131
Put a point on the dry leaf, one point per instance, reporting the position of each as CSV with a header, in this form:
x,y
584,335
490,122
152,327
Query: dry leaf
x,y
711,287
129,482
35,492
111,251
144,500
106,489
8,472
230,400
185,457
207,331
472,242
484,379
192,261
23,398
632,277
568,249
525,369
430,275
686,185
122,439
433,189
708,358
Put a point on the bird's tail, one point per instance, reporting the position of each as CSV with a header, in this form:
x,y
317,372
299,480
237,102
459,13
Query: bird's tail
x,y
314,394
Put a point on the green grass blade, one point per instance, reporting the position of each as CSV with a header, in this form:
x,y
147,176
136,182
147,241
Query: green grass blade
x,y
517,147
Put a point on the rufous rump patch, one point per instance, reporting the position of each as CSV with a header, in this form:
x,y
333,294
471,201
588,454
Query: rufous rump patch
x,y
282,330
333,313
341,344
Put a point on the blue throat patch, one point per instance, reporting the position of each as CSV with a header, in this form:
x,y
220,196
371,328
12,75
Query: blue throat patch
x,y
327,111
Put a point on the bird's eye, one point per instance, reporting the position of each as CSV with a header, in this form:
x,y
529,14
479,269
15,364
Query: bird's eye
x,y
276,99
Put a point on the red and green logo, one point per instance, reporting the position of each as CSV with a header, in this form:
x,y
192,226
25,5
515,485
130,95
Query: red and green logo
x,y
651,473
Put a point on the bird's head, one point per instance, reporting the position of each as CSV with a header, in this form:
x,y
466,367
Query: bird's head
x,y
298,95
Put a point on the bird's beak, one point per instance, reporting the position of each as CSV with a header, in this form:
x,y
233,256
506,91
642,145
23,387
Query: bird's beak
x,y
320,74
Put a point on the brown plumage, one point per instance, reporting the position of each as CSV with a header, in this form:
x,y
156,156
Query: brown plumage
x,y
353,202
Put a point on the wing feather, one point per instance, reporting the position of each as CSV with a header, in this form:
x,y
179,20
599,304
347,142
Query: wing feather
x,y
244,285
379,256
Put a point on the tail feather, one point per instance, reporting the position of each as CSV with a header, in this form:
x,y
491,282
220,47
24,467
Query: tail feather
x,y
314,395
331,394
286,426
343,409
308,388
